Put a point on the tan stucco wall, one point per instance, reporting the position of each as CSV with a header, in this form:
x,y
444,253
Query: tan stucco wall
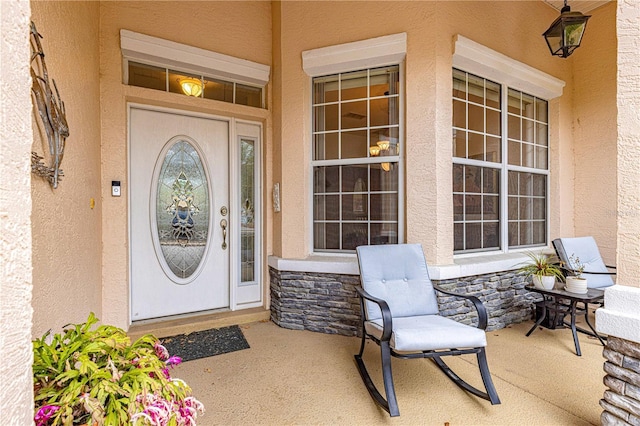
x,y
66,230
512,28
16,383
628,32
595,133
276,114
240,29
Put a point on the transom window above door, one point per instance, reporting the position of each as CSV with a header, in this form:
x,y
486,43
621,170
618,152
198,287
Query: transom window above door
x,y
159,64
195,85
356,158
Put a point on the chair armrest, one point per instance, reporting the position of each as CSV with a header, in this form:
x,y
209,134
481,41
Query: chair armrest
x,y
482,311
576,272
387,322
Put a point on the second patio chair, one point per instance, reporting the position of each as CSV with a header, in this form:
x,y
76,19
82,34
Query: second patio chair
x,y
400,313
585,249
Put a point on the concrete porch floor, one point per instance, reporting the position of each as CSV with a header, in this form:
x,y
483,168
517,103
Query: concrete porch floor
x,y
291,377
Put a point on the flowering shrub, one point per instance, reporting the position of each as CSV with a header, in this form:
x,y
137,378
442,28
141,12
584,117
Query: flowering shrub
x,y
86,376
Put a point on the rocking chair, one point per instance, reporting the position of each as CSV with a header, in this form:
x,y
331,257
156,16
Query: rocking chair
x,y
400,313
584,250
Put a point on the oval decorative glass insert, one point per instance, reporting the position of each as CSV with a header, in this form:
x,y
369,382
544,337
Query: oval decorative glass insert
x,y
182,209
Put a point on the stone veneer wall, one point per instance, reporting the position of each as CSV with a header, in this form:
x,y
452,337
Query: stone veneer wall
x,y
621,402
328,303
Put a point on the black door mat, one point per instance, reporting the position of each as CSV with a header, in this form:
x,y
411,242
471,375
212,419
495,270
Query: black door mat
x,y
202,344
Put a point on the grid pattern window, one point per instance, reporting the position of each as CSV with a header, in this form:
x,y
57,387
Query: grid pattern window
x,y
527,209
356,155
199,86
500,166
476,201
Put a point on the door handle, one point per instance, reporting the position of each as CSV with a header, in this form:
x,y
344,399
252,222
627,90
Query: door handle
x,y
223,225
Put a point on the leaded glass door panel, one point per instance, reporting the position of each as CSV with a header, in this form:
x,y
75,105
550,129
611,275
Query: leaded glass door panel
x,y
179,213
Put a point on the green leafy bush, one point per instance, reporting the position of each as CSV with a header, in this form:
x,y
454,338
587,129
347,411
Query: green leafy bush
x,y
86,376
540,265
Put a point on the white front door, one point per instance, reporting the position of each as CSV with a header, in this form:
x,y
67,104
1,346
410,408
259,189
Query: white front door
x,y
179,213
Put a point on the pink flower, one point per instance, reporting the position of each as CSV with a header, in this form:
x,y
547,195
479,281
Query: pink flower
x,y
166,373
174,360
161,351
44,414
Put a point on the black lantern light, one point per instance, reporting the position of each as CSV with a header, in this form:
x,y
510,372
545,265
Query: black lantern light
x,y
565,34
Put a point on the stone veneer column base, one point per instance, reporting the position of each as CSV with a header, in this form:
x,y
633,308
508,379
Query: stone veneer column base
x,y
620,320
328,303
621,402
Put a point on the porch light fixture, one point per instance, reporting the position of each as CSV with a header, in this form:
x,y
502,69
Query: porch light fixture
x,y
565,34
191,86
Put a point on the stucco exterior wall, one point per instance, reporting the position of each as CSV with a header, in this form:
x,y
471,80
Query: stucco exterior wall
x,y
628,102
511,28
595,131
239,29
66,229
16,383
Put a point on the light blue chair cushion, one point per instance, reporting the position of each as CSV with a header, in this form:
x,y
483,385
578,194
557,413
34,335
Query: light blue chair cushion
x,y
429,332
397,273
586,249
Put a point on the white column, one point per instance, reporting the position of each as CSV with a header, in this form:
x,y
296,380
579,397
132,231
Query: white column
x,y
628,99
620,317
622,302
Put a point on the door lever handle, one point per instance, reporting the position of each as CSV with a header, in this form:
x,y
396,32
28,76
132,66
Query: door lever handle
x,y
223,225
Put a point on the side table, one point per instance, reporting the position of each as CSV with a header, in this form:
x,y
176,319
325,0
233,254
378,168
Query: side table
x,y
553,305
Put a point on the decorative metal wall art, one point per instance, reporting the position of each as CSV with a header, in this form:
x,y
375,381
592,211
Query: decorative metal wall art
x,y
52,112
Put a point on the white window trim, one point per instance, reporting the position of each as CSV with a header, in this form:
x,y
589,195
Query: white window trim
x,y
481,60
364,54
477,59
359,55
156,51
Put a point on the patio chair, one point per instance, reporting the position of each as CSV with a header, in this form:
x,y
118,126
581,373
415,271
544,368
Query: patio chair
x,y
400,313
598,274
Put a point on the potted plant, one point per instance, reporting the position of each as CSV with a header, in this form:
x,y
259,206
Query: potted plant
x,y
98,377
543,269
576,283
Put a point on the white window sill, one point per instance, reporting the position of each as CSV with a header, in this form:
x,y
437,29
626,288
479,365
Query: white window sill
x,y
329,264
348,265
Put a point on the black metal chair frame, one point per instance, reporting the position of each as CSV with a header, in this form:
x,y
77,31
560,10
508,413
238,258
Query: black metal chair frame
x,y
390,404
566,271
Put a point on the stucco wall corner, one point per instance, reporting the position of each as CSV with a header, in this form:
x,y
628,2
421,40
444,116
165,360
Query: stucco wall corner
x,y
16,392
628,141
620,316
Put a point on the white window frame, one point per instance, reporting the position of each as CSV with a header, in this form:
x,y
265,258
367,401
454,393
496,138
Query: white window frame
x,y
358,56
484,62
158,52
247,294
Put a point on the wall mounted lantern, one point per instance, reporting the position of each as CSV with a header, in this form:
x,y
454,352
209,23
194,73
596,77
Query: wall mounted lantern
x,y
565,34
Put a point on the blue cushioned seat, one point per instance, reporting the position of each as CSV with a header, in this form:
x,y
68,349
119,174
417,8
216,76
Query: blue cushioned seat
x,y
400,313
569,250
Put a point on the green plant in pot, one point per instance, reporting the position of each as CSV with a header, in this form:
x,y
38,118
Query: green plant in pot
x,y
98,377
576,283
543,269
